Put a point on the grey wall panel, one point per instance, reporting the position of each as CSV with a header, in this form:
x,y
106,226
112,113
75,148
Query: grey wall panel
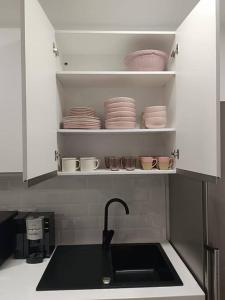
x,y
186,221
216,210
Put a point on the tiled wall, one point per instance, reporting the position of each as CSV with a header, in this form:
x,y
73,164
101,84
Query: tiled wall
x,y
79,205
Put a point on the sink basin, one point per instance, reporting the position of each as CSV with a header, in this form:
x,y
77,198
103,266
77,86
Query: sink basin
x,y
142,264
122,266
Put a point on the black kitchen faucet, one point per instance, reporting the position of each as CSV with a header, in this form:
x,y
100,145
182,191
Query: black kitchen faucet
x,y
107,235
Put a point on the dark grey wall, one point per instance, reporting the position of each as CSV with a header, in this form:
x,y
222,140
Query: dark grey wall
x,y
216,202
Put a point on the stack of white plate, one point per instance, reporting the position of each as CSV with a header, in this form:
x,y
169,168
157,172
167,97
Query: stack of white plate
x,y
154,117
82,118
120,113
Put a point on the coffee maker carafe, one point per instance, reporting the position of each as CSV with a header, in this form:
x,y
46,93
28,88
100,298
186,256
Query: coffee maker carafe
x,y
35,240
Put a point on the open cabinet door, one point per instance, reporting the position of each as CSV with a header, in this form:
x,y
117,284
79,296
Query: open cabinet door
x,y
197,91
39,92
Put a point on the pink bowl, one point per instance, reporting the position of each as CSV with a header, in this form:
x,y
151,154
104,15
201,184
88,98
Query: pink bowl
x,y
156,121
150,126
150,109
147,60
161,114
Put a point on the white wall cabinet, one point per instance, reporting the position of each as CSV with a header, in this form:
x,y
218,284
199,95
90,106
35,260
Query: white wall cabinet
x,y
40,93
90,69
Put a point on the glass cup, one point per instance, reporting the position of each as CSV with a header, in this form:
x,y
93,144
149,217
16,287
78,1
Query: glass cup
x,y
129,163
114,163
107,164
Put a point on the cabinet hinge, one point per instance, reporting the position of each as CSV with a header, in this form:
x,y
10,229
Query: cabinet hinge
x,y
175,51
56,155
176,153
55,50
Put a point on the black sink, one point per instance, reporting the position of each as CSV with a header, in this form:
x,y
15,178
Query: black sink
x,y
121,266
142,264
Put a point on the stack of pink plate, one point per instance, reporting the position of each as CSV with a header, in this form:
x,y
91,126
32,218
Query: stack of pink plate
x,y
120,113
82,118
154,117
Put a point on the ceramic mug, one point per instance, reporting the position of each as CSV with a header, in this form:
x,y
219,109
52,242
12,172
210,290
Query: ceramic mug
x,y
70,164
148,162
89,163
165,163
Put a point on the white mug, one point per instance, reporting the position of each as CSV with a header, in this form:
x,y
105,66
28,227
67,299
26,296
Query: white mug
x,y
89,163
70,164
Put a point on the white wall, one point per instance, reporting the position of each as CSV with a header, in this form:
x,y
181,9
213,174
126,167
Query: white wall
x,y
10,101
79,206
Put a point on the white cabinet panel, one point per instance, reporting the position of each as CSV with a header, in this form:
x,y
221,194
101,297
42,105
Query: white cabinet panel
x,y
222,51
197,94
40,92
10,101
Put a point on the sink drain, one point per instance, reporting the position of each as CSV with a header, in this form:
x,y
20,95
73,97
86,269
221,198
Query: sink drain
x,y
106,280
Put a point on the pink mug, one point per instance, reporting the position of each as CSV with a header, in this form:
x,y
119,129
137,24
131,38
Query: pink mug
x,y
165,162
148,162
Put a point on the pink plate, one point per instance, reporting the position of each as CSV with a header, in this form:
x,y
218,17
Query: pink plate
x,y
128,109
122,119
120,114
119,99
81,108
120,125
119,104
80,118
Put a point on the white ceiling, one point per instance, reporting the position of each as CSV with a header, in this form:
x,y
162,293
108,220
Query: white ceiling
x,y
9,13
107,14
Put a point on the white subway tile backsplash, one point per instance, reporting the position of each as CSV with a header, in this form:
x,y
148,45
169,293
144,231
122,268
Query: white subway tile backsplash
x,y
79,206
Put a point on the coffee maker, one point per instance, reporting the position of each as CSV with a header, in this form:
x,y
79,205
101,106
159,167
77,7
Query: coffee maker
x,y
35,242
35,235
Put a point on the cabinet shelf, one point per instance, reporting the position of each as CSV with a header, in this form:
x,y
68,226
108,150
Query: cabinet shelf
x,y
120,172
114,78
118,131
